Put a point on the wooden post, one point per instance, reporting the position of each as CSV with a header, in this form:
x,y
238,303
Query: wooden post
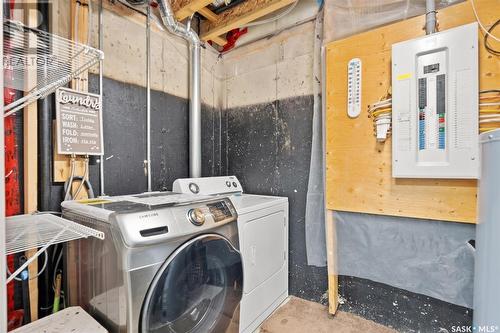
x,y
30,132
331,254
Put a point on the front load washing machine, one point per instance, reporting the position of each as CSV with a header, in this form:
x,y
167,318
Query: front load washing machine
x,y
263,232
169,263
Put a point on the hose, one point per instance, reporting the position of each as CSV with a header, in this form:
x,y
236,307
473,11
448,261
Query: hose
x,y
84,178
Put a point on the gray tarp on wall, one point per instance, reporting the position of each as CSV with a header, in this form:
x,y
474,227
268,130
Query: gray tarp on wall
x,y
427,257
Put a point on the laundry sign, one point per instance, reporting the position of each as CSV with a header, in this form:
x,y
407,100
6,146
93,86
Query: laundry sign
x,y
78,122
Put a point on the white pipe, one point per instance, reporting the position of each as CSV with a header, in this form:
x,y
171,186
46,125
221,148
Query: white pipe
x,y
148,97
179,29
430,17
101,87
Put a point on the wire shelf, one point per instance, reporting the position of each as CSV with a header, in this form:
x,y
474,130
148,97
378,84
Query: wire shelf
x,y
25,232
38,62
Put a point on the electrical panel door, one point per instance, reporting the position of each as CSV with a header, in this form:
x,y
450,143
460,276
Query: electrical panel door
x,y
435,105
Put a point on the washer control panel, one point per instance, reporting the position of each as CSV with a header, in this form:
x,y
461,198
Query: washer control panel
x,y
152,218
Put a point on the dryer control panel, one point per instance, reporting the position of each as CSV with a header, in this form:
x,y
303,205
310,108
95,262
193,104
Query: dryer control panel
x,y
208,185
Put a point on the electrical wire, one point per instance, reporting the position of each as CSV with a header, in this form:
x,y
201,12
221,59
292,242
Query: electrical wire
x,y
480,24
489,117
39,272
381,113
274,18
486,44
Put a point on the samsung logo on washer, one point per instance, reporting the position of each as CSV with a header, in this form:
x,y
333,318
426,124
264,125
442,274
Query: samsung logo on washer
x,y
145,216
66,97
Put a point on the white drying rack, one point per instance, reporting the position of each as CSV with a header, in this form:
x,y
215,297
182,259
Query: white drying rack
x,y
25,232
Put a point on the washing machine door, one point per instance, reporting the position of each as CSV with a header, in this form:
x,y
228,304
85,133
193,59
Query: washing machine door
x,y
198,289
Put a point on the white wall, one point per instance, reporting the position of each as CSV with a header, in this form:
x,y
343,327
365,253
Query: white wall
x,y
270,69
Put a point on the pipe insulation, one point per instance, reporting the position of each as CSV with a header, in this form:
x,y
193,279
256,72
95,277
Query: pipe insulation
x,y
179,29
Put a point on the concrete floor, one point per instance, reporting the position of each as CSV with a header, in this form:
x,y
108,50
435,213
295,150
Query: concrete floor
x,y
299,316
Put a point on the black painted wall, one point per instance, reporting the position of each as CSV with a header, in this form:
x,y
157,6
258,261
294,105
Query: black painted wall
x,y
266,146
124,122
269,149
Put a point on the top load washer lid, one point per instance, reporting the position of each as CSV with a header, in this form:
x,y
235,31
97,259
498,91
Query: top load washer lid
x,y
246,203
103,207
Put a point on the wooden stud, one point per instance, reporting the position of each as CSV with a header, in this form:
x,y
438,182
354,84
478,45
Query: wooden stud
x,y
61,168
253,10
190,8
81,82
30,133
331,255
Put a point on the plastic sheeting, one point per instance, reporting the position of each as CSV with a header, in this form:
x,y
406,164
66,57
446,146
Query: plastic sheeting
x,y
347,17
315,204
432,258
341,19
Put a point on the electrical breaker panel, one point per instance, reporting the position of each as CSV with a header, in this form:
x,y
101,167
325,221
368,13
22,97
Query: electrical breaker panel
x,y
435,105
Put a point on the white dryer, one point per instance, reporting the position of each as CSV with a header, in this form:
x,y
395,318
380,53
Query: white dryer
x,y
263,238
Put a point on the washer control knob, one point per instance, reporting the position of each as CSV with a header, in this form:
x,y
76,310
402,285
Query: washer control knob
x,y
234,184
194,188
228,183
196,216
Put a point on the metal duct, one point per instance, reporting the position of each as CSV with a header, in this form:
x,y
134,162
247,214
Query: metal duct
x,y
179,29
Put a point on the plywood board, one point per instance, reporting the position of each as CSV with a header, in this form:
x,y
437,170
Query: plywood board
x,y
358,172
